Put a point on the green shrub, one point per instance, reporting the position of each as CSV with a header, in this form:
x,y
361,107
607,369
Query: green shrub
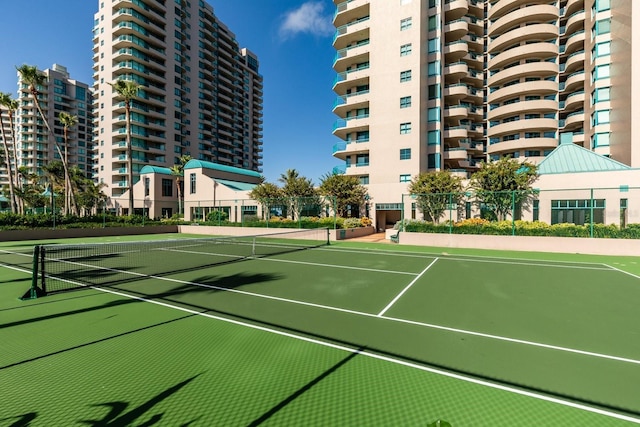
x,y
352,223
217,216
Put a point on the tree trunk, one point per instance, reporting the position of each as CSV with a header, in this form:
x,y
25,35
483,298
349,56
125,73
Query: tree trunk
x,y
127,107
7,157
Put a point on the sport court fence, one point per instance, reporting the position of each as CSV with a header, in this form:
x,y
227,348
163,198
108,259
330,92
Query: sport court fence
x,y
600,212
65,267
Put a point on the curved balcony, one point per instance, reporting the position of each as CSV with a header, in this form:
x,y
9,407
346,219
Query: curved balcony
x,y
575,22
455,51
350,102
342,127
455,30
351,55
350,10
522,89
455,9
522,126
574,100
456,91
455,132
349,79
574,43
573,6
535,13
575,62
498,9
351,33
523,144
343,149
574,120
574,82
455,154
541,50
524,107
456,71
530,32
455,112
533,69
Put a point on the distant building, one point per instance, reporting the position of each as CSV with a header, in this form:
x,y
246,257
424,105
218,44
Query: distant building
x,y
427,85
34,146
201,94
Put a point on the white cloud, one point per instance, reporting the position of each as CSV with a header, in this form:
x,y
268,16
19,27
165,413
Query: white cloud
x,y
309,18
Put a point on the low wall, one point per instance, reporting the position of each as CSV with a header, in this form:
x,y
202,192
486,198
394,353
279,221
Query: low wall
x,y
45,234
339,234
578,245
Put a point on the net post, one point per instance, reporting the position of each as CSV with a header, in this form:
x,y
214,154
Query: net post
x,y
34,291
42,272
253,246
328,236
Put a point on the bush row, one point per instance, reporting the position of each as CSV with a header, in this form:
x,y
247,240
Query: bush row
x,y
523,228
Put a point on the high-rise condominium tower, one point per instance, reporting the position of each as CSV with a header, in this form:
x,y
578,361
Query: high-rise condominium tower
x,y
35,148
200,94
429,85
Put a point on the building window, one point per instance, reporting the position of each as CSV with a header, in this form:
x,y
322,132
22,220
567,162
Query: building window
x,y
146,185
433,45
362,160
536,210
600,140
405,49
602,72
433,68
405,24
600,117
601,95
405,128
433,137
433,23
577,212
601,49
602,26
405,154
433,3
405,76
434,91
433,114
405,102
192,179
601,5
405,177
363,179
433,161
167,188
624,217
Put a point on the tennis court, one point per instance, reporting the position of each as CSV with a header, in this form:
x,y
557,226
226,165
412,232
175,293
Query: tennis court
x,y
295,332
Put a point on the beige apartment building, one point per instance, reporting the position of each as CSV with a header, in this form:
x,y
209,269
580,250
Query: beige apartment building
x,y
425,85
201,94
34,148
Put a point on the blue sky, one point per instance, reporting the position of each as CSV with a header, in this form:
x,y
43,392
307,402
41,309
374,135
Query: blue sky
x,y
292,39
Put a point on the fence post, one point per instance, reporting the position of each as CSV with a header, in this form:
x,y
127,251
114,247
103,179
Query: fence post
x,y
401,228
591,215
450,213
513,212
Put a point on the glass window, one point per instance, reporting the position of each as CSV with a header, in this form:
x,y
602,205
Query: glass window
x,y
433,45
434,91
405,49
192,181
601,95
433,160
600,117
602,49
405,178
600,140
602,72
433,114
405,153
405,128
433,68
364,179
405,24
602,26
433,137
405,102
405,76
602,5
433,23
167,187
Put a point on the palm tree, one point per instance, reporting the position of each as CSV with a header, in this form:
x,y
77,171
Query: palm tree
x,y
9,158
177,170
30,75
67,121
128,90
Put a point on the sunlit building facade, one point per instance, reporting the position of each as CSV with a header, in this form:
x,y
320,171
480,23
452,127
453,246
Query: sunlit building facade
x,y
426,85
201,94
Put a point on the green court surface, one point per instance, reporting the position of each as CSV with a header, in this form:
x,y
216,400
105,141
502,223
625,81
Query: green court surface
x,y
349,334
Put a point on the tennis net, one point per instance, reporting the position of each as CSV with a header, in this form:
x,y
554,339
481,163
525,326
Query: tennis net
x,y
59,268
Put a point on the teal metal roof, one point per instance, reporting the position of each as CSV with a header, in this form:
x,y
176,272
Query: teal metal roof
x,y
236,186
155,169
572,158
196,164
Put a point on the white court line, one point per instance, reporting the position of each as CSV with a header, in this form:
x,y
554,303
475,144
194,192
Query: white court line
x,y
622,271
487,259
288,261
440,372
384,310
388,359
